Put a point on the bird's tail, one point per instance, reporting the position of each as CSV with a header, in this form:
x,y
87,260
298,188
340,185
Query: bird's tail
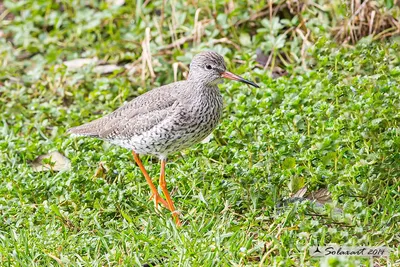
x,y
87,129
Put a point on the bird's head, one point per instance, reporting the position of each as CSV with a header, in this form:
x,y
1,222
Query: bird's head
x,y
209,68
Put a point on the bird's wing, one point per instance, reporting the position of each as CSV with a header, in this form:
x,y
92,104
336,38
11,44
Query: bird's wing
x,y
136,122
135,117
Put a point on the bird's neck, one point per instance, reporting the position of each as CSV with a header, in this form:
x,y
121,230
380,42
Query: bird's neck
x,y
197,92
209,90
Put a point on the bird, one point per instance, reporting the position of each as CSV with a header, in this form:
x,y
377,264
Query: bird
x,y
167,119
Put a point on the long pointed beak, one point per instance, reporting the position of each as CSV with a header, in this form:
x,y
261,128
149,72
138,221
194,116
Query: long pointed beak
x,y
231,76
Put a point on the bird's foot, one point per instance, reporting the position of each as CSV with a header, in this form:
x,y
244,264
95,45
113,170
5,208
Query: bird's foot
x,y
158,200
176,214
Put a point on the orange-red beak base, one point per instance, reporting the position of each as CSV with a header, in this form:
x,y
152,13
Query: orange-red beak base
x,y
231,76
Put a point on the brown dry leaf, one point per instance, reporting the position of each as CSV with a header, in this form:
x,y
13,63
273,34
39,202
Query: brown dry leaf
x,y
366,19
321,195
318,198
302,191
78,63
101,171
58,162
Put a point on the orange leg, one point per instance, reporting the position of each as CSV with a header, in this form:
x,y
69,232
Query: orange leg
x,y
157,198
163,185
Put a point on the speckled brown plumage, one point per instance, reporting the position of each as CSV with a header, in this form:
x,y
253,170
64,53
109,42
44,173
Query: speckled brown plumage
x,y
168,118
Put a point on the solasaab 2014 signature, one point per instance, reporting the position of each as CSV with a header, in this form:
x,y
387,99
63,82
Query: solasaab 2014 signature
x,y
322,251
339,251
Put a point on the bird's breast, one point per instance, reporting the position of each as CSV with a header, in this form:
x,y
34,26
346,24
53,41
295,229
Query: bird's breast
x,y
198,117
207,110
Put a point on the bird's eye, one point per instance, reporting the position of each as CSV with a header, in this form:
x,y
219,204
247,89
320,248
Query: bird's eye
x,y
209,67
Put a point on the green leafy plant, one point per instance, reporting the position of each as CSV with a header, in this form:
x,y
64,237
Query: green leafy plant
x,y
332,126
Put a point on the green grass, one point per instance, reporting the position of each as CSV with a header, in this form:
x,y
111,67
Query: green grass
x,y
334,125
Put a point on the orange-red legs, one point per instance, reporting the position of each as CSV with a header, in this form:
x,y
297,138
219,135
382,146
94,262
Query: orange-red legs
x,y
163,185
169,204
154,194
